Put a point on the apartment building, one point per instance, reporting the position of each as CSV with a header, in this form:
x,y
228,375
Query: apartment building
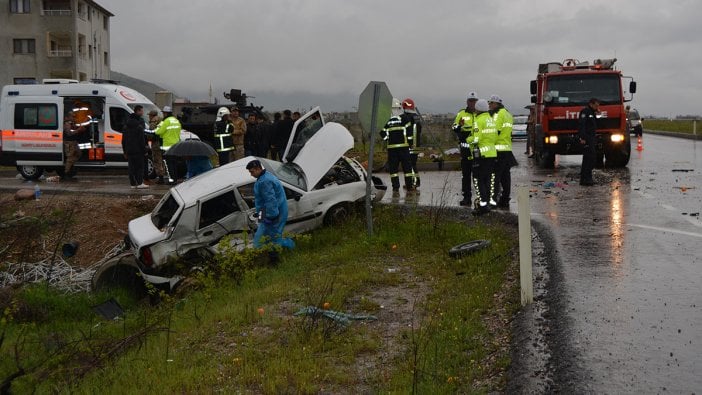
x,y
53,39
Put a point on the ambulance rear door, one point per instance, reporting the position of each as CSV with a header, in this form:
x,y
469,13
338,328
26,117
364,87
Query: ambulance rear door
x,y
114,126
89,112
36,135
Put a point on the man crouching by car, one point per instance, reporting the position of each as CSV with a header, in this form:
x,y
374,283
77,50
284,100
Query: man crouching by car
x,y
272,209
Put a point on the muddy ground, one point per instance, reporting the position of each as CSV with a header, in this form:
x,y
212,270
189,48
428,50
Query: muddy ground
x,y
33,230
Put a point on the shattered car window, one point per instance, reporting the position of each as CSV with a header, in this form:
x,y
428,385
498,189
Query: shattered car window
x,y
164,212
286,172
217,208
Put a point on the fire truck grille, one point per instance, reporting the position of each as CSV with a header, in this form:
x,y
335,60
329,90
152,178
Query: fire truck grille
x,y
572,124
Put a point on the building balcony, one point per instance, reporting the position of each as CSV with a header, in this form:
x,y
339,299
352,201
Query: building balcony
x,y
60,53
56,8
52,12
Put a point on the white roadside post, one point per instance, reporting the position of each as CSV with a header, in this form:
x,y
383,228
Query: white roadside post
x,y
524,216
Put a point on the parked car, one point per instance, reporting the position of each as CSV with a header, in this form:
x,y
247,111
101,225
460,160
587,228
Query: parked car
x,y
519,127
321,185
635,122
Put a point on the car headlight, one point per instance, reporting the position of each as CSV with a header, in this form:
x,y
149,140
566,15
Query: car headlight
x,y
551,140
617,138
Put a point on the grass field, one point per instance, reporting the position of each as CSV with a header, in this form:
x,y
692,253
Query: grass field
x,y
673,126
442,324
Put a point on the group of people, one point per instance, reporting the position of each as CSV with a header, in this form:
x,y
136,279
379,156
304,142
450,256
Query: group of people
x,y
236,138
484,131
158,137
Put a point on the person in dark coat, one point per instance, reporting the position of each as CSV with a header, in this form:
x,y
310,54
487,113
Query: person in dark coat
x,y
273,136
283,131
587,127
134,147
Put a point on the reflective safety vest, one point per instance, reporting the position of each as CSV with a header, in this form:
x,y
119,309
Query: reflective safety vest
x,y
397,132
223,136
169,131
484,135
82,115
465,130
503,124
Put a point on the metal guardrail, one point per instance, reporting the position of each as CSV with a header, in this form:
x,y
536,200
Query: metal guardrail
x,y
57,12
61,53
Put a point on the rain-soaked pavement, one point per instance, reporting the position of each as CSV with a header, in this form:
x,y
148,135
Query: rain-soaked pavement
x,y
625,291
622,300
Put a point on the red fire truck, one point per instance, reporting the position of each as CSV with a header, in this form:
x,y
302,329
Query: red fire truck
x,y
561,90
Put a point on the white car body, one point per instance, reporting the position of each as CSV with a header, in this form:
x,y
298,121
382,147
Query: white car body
x,y
519,127
193,216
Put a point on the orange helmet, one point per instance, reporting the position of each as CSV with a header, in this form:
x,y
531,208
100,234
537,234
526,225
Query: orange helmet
x,y
408,104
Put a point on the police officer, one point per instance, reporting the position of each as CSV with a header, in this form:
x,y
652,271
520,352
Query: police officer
x,y
169,131
463,127
503,145
224,142
398,134
483,141
587,127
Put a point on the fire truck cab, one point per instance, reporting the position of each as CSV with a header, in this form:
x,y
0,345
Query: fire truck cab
x,y
32,116
560,92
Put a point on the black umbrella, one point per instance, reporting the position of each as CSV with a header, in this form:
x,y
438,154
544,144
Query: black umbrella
x,y
191,147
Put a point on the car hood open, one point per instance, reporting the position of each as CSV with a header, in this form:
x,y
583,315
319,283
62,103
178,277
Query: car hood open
x,y
315,146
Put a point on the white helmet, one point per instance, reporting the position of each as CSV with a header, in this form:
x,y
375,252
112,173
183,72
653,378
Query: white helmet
x,y
221,112
396,108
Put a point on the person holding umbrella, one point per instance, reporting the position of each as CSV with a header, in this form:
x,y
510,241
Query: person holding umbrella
x,y
196,154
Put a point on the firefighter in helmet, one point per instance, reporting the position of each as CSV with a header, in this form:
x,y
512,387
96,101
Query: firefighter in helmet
x,y
223,135
398,135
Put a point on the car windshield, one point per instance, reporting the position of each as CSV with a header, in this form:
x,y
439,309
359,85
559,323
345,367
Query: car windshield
x,y
164,212
286,172
520,120
634,115
577,90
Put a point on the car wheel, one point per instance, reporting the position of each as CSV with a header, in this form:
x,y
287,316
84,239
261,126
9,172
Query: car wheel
x,y
336,214
30,172
120,272
463,249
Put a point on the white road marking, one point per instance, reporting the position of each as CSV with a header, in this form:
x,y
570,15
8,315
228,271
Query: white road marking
x,y
681,232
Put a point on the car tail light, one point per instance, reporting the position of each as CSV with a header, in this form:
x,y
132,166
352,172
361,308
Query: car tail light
x,y
146,256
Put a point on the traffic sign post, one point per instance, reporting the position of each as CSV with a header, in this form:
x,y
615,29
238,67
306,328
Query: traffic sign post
x,y
374,108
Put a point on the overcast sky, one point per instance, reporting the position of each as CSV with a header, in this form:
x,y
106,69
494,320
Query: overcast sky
x,y
300,53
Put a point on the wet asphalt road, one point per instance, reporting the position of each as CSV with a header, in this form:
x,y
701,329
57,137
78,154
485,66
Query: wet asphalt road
x,y
624,293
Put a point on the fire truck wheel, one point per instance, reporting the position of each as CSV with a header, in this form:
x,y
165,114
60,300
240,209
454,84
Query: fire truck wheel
x,y
30,172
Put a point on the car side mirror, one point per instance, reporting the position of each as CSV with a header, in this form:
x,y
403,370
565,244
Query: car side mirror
x,y
632,87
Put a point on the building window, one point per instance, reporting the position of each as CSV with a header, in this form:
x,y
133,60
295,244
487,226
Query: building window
x,y
24,81
24,45
104,22
90,52
106,60
19,6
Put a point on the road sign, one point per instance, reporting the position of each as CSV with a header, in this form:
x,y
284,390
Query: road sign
x,y
366,105
374,109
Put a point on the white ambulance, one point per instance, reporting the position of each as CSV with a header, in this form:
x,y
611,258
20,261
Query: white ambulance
x,y
31,124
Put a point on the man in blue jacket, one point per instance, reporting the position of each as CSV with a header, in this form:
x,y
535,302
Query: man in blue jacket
x,y
272,208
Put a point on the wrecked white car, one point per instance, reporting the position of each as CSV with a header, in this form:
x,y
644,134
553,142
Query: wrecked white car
x,y
321,185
